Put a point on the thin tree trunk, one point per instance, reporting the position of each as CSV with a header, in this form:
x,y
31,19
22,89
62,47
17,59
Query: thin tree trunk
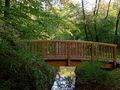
x,y
6,13
108,9
116,29
90,33
98,7
84,20
95,26
7,7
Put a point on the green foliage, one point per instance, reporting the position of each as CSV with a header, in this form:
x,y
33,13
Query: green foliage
x,y
15,69
29,19
90,73
44,75
18,71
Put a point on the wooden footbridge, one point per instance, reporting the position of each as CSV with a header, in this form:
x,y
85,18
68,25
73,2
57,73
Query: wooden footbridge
x,y
71,52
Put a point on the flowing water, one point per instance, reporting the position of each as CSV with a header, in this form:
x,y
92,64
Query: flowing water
x,y
65,79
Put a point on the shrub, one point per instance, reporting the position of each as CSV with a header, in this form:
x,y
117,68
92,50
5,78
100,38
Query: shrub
x,y
17,71
44,74
90,73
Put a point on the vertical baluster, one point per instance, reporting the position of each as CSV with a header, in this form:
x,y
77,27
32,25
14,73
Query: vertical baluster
x,y
48,48
82,49
51,47
43,49
68,53
92,51
33,48
100,52
96,51
103,52
114,56
54,48
58,48
61,48
72,49
77,49
66,48
69,48
90,46
87,49
107,52
39,49
110,53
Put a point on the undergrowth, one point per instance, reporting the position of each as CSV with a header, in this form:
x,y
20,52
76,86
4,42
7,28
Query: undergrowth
x,y
20,70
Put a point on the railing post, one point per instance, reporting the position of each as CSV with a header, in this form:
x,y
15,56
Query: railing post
x,y
114,57
68,54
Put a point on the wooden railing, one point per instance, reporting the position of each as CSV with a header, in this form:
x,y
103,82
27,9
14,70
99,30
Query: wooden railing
x,y
70,49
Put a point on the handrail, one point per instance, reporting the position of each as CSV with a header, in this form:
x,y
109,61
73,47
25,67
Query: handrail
x,y
72,49
108,44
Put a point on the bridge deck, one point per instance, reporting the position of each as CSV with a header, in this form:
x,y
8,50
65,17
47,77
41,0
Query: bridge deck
x,y
69,52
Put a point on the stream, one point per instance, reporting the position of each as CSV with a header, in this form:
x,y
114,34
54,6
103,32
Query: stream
x,y
65,79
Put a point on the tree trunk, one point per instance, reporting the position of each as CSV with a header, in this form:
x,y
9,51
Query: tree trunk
x,y
108,9
95,26
98,7
84,20
116,28
7,7
6,13
90,33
